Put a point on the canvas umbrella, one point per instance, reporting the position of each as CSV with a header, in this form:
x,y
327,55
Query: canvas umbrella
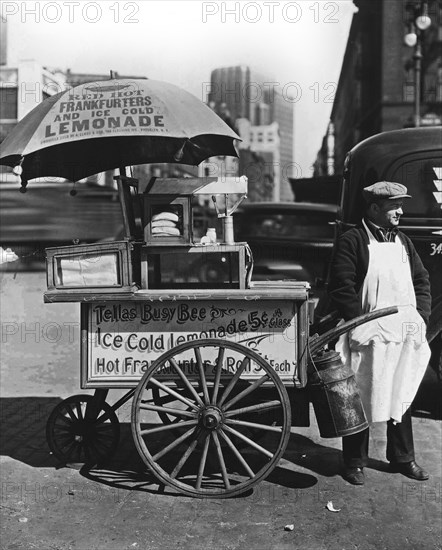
x,y
104,125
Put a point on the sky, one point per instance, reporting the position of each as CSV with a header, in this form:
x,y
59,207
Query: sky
x,y
298,44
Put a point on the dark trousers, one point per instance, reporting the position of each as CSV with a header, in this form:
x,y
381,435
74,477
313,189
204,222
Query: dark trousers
x,y
400,447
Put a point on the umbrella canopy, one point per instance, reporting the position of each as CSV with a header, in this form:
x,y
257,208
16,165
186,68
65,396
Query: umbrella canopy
x,y
104,125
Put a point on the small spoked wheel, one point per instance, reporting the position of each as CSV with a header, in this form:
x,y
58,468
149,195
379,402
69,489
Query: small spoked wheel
x,y
73,437
218,423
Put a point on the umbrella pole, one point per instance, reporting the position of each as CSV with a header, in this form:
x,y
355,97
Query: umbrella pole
x,y
125,197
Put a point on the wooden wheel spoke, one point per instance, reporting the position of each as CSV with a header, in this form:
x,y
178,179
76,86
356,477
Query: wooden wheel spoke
x,y
184,458
247,391
68,452
218,371
67,442
64,439
202,464
248,440
221,460
170,391
254,408
169,410
70,412
238,455
173,444
92,446
87,453
103,418
244,363
105,426
103,447
167,427
107,434
202,374
63,428
255,425
79,410
77,450
66,419
186,381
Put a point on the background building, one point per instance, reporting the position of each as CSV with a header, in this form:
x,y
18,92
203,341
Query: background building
x,y
3,42
376,89
22,88
48,214
240,93
265,140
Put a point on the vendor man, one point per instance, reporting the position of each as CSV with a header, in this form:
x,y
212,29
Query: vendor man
x,y
375,266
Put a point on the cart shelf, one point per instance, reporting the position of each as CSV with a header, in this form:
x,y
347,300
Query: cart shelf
x,y
297,292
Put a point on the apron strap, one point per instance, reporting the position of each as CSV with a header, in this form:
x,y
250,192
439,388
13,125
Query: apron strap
x,y
371,237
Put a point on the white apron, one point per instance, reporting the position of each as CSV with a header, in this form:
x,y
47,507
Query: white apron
x,y
388,355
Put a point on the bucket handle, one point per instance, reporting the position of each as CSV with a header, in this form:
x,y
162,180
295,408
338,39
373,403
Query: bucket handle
x,y
317,342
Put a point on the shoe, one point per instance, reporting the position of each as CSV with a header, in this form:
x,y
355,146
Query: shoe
x,y
355,476
410,469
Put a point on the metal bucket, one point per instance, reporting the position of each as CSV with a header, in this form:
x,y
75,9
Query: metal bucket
x,y
335,396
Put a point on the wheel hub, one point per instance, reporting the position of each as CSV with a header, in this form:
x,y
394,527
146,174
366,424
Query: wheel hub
x,y
211,417
81,431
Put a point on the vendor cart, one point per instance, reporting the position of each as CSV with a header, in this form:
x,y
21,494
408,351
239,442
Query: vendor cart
x,y
208,366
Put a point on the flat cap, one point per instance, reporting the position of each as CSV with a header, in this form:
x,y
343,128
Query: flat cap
x,y
385,190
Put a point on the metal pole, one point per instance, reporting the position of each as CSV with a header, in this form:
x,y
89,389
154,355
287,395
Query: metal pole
x,y
417,81
122,193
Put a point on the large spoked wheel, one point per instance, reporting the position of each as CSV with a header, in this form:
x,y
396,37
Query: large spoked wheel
x,y
72,437
220,399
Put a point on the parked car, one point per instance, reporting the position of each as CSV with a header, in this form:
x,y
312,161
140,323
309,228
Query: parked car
x,y
288,240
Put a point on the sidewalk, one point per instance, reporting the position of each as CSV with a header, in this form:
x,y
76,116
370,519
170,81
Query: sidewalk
x,y
122,506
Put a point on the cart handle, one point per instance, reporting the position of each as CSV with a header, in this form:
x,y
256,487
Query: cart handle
x,y
317,342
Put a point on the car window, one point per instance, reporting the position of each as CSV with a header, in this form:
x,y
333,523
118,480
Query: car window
x,y
423,179
299,225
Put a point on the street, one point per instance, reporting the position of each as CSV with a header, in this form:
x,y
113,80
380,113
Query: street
x,y
123,507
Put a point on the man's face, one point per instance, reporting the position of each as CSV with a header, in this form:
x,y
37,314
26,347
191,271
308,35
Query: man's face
x,y
388,213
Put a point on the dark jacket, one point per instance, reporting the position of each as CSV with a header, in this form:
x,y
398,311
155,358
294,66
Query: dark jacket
x,y
349,268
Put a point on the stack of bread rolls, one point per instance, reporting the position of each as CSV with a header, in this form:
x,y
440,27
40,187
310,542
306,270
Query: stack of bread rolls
x,y
165,224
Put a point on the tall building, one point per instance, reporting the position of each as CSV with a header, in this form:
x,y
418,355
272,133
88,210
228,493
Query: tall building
x,y
265,140
242,93
283,115
376,89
